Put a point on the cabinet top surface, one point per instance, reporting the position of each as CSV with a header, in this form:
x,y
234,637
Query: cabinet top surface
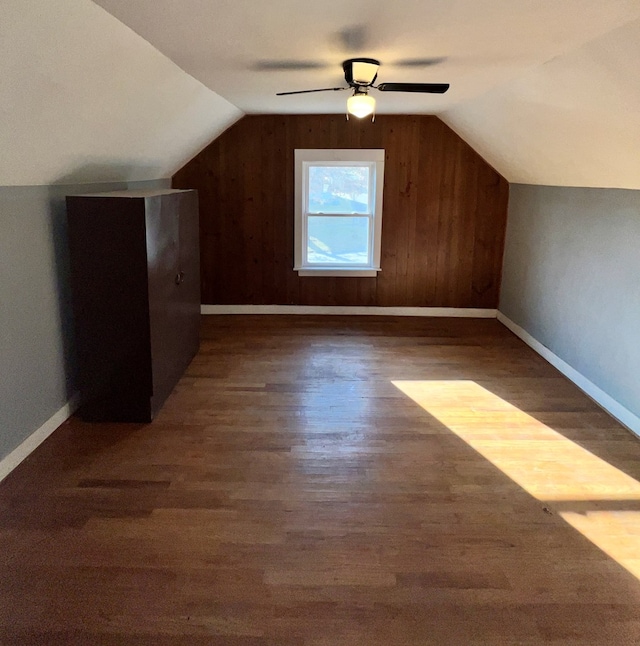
x,y
136,193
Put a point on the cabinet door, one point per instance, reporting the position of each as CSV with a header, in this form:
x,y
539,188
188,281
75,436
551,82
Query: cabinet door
x,y
189,292
162,225
174,287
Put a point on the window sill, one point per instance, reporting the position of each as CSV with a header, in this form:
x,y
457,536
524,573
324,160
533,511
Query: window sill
x,y
361,272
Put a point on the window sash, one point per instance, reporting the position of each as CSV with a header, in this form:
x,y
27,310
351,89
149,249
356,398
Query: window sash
x,y
340,265
371,197
370,215
374,160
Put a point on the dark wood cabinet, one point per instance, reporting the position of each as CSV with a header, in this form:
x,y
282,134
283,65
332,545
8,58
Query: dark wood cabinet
x,y
135,276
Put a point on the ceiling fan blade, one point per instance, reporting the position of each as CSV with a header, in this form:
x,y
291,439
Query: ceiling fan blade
x,y
324,89
353,38
428,88
286,65
420,62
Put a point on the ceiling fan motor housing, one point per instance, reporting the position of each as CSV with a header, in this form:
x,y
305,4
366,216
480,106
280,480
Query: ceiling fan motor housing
x,y
360,71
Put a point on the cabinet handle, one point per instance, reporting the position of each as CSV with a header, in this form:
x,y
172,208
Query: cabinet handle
x,y
179,278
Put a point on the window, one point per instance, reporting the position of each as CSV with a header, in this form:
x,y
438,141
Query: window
x,y
338,212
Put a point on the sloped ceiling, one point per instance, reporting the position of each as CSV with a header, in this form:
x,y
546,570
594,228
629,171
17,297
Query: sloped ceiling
x,y
245,50
574,121
545,90
83,98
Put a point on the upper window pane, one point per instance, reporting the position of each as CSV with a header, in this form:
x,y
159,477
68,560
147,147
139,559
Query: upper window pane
x,y
339,189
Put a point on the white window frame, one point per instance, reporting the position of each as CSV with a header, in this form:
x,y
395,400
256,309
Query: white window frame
x,y
305,158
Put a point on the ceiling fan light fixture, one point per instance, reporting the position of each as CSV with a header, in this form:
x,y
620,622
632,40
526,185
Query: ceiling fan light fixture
x,y
361,105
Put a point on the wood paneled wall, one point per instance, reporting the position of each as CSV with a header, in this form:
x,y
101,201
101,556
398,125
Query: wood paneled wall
x,y
444,214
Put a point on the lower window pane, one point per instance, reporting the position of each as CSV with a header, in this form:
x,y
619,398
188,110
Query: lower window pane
x,y
338,240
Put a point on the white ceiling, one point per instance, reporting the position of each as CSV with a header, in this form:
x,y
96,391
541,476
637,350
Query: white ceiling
x,y
484,43
546,90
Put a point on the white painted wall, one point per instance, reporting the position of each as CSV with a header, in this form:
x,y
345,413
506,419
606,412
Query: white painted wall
x,y
571,280
83,98
571,122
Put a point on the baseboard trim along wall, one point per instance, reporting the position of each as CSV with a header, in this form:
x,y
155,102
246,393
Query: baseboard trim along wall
x,y
614,408
622,414
337,310
21,452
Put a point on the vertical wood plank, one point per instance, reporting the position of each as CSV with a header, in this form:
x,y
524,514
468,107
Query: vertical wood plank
x,y
444,214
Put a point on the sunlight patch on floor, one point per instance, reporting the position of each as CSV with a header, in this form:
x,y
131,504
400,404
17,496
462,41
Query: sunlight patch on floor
x,y
542,461
616,533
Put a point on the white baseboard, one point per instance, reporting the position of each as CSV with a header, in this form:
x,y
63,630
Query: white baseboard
x,y
11,461
457,312
614,408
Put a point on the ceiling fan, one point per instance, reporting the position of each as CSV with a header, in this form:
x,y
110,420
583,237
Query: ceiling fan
x,y
360,75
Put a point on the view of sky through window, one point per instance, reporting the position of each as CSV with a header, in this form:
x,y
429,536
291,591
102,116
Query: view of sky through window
x,y
339,189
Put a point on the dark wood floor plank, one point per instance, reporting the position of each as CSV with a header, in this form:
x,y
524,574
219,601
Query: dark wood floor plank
x,y
291,493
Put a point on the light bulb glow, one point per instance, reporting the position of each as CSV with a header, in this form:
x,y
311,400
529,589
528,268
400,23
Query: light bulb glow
x,y
361,105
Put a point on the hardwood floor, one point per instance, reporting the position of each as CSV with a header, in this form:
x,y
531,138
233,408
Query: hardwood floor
x,y
318,481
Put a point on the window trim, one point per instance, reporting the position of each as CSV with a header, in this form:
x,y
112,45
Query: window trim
x,y
372,157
